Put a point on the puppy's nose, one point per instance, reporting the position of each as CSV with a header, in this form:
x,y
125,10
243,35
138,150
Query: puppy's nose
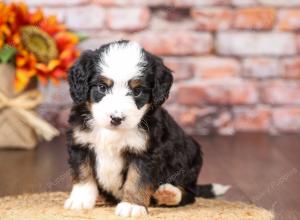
x,y
116,120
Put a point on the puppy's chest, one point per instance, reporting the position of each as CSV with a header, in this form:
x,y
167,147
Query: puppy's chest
x,y
109,167
108,146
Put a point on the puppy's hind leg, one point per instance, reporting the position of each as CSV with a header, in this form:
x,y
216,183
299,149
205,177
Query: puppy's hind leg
x,y
170,195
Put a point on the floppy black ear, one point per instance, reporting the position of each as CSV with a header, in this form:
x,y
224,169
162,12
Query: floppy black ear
x,y
163,81
79,75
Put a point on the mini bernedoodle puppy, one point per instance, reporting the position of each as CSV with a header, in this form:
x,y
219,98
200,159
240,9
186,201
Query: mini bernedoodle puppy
x,y
122,144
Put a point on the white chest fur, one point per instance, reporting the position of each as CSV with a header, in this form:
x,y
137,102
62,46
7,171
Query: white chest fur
x,y
108,145
109,166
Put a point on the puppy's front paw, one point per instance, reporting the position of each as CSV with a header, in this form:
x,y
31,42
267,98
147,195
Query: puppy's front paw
x,y
77,203
82,197
127,209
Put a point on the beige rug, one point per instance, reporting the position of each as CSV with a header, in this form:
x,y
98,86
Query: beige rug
x,y
49,206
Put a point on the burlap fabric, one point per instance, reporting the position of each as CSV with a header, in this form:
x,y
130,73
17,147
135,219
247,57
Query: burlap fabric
x,y
20,126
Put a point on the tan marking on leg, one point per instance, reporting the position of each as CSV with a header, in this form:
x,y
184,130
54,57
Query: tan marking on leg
x,y
134,191
85,173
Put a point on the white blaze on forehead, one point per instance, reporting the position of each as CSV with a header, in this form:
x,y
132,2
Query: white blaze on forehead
x,y
121,62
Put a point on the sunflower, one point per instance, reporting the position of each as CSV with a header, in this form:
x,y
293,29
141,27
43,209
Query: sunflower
x,y
45,48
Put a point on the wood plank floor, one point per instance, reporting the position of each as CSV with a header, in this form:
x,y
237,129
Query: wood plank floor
x,y
261,169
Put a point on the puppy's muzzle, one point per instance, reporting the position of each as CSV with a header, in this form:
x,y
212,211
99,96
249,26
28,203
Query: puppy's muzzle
x,y
116,120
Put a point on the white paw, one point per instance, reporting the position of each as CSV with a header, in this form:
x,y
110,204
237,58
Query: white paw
x,y
83,196
126,209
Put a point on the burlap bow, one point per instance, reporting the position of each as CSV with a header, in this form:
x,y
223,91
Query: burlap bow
x,y
23,105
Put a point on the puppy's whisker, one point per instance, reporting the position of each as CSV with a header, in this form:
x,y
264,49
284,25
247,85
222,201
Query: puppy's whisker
x,y
145,123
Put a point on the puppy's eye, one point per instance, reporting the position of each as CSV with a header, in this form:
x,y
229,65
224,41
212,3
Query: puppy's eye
x,y
137,91
102,88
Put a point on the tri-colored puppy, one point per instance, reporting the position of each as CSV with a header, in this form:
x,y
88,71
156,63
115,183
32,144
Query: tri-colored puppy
x,y
122,144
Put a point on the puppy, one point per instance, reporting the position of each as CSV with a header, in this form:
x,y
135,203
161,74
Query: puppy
x,y
122,144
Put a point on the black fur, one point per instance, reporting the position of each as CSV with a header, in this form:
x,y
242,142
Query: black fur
x,y
79,76
172,156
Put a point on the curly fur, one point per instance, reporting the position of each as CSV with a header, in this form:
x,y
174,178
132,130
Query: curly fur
x,y
165,154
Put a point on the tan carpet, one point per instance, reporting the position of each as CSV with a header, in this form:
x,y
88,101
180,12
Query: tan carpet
x,y
49,206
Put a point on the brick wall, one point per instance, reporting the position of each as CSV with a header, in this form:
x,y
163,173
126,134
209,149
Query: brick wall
x,y
236,62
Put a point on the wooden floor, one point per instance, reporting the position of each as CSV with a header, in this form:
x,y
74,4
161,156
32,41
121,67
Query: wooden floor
x,y
261,169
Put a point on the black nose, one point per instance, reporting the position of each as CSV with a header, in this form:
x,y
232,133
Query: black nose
x,y
116,120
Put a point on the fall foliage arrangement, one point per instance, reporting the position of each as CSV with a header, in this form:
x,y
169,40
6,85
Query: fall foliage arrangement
x,y
34,49
39,46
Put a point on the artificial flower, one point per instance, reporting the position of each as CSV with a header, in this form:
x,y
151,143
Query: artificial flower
x,y
45,48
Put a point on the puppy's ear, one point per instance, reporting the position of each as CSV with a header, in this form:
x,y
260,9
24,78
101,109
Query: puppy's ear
x,y
163,81
78,76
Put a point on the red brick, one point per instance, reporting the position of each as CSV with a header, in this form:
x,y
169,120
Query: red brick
x,y
189,116
128,19
215,67
173,95
280,3
223,119
242,93
298,42
161,23
176,43
291,68
280,92
194,94
191,3
217,92
52,2
289,20
200,94
223,123
94,42
252,119
262,67
254,18
287,119
182,68
134,2
255,44
170,18
243,3
194,120
87,17
212,19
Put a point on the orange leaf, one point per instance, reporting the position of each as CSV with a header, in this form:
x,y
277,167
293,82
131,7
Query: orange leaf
x,y
22,80
65,40
20,61
41,67
36,16
58,73
52,65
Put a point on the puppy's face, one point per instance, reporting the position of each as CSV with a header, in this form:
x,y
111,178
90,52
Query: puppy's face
x,y
119,82
120,92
